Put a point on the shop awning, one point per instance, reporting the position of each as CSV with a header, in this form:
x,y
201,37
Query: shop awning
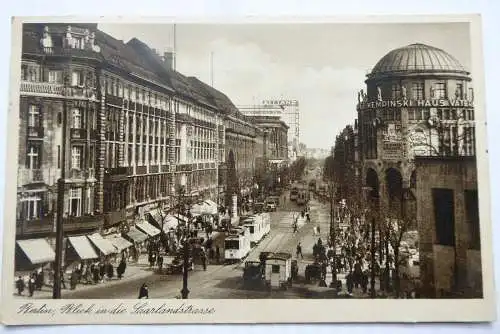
x,y
102,244
171,222
120,243
156,214
83,247
147,228
136,235
37,250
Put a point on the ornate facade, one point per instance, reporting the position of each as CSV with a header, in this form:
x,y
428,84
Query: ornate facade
x,y
418,107
123,126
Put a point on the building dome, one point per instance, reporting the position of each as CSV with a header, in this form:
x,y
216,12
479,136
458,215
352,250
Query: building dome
x,y
417,58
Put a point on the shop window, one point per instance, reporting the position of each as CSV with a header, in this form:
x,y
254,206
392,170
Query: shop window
x,y
444,216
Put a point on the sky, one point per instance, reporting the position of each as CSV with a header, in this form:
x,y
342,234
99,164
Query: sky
x,y
323,66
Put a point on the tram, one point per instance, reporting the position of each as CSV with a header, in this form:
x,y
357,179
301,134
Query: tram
x,y
255,229
237,244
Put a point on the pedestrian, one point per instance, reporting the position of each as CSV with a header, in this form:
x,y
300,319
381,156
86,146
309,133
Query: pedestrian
x,y
95,274
109,271
40,279
144,292
73,280
120,270
318,229
203,260
20,285
63,282
217,254
159,261
31,285
102,271
299,251
295,227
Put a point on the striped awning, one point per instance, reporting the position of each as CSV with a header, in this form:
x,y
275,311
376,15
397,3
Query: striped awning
x,y
120,243
147,228
136,235
83,247
103,245
37,250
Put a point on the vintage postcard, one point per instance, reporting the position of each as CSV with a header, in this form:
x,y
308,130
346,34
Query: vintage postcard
x,y
251,171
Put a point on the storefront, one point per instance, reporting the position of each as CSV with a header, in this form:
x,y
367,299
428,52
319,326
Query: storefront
x,y
33,253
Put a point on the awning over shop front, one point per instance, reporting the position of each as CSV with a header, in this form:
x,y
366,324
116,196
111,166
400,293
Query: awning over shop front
x,y
120,243
157,216
105,246
136,235
37,250
148,228
83,247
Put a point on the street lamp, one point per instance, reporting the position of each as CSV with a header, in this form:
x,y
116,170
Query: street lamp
x,y
185,266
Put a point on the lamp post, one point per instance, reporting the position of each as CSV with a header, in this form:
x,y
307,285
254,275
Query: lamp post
x,y
185,265
59,228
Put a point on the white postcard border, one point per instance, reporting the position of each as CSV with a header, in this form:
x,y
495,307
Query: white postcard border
x,y
262,310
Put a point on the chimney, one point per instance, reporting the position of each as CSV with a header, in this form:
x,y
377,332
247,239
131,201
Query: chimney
x,y
168,59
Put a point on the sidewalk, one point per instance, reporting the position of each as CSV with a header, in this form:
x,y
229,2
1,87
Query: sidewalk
x,y
134,271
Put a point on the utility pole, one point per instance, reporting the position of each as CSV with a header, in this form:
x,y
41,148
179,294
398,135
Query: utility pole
x,y
56,291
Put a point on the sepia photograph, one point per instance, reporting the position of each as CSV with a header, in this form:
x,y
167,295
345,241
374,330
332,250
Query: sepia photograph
x,y
287,160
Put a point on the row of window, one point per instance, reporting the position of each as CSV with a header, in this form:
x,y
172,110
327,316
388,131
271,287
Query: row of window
x,y
442,114
438,91
78,201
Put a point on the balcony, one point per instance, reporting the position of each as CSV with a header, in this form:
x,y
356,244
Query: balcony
x,y
116,174
78,133
35,132
85,222
75,52
81,174
41,88
50,89
44,225
31,176
114,100
113,218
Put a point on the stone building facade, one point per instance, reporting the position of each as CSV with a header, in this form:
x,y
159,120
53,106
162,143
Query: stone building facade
x,y
125,125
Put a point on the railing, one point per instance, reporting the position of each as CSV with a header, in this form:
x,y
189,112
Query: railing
x,y
46,88
83,222
35,132
56,89
28,176
70,52
78,133
114,100
44,224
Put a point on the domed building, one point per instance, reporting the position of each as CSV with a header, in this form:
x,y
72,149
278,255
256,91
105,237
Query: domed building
x,y
417,148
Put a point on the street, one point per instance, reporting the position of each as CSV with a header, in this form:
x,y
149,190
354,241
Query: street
x,y
225,281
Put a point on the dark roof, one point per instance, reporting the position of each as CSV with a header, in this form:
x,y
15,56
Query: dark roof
x,y
219,99
121,55
176,80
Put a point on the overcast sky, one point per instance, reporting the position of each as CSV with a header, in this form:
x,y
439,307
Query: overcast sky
x,y
323,66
